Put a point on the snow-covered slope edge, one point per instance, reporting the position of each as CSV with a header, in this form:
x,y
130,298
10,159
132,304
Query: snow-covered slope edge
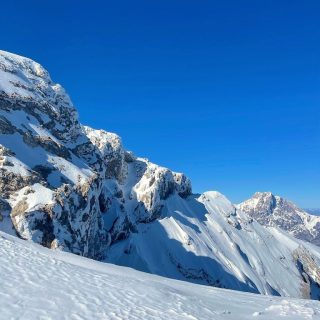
x,y
313,211
38,283
272,210
205,239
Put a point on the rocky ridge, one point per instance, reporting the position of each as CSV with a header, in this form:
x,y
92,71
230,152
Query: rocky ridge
x,y
58,178
271,210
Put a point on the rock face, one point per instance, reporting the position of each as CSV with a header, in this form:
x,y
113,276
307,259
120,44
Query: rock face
x,y
59,178
73,188
49,168
271,210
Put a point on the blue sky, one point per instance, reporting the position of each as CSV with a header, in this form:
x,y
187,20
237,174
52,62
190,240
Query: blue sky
x,y
225,91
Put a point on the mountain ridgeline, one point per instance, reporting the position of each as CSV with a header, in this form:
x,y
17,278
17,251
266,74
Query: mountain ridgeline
x,y
73,188
271,210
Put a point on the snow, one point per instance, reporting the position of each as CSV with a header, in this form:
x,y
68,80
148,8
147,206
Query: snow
x,y
23,77
206,240
37,196
107,142
29,155
38,283
14,165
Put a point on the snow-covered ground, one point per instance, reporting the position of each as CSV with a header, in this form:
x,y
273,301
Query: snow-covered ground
x,y
38,283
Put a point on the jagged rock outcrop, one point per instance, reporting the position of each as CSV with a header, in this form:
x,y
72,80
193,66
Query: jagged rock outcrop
x,y
56,174
74,188
309,267
271,210
47,176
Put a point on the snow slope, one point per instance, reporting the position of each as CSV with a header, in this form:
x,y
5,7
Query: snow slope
x,y
206,240
38,283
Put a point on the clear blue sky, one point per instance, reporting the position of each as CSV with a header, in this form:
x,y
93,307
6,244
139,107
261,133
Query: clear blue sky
x,y
226,91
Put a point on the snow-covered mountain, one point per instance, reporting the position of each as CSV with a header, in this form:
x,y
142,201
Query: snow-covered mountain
x,y
73,188
37,283
271,210
313,211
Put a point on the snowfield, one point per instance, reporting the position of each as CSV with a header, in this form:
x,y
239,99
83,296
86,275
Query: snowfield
x,y
38,283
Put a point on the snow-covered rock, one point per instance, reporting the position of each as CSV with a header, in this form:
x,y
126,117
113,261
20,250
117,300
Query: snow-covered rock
x,y
77,189
271,210
59,178
49,168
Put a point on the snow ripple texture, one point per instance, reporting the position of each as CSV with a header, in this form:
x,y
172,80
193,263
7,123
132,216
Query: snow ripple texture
x,y
37,283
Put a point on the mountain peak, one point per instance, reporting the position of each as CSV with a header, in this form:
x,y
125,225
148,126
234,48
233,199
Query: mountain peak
x,y
24,78
263,194
271,210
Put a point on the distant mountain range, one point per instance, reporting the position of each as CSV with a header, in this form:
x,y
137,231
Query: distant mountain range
x,y
271,210
73,188
313,211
